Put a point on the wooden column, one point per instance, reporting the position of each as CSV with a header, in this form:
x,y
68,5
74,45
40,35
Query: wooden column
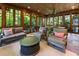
x,y
58,20
30,23
42,22
70,22
46,21
14,18
22,18
78,23
3,17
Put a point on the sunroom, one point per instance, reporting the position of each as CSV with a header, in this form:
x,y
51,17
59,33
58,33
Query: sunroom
x,y
35,26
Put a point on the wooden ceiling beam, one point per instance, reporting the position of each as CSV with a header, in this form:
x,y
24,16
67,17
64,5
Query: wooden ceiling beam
x,y
18,7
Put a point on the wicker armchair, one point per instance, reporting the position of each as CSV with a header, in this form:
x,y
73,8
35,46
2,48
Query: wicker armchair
x,y
56,42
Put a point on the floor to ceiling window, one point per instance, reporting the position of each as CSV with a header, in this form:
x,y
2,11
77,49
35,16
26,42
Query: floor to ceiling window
x,y
60,21
56,21
67,22
33,23
75,23
17,18
27,22
51,20
40,21
44,21
9,17
48,21
0,19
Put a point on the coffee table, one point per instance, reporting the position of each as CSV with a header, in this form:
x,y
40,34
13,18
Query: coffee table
x,y
30,45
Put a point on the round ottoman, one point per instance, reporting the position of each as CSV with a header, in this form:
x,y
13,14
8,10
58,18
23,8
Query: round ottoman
x,y
29,45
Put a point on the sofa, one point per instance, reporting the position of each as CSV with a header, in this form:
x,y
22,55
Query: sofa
x,y
57,42
11,37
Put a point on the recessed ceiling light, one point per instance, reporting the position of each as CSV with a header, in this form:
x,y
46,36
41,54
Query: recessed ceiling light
x,y
28,7
38,10
73,7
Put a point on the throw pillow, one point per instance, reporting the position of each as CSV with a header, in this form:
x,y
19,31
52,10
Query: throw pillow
x,y
7,31
59,34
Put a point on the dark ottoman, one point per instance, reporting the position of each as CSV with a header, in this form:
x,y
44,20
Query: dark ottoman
x,y
30,45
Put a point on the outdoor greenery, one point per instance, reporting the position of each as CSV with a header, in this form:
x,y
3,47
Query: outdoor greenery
x,y
0,18
0,29
17,17
60,20
26,20
50,21
33,21
9,17
39,21
67,20
55,21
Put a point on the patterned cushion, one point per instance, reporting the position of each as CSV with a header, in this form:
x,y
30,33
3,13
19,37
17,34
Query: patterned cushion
x,y
7,31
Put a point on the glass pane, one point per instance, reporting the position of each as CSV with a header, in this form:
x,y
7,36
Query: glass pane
x,y
9,17
0,18
67,22
51,20
40,21
27,22
75,20
55,21
48,21
44,21
0,30
33,23
75,29
17,18
75,23
60,21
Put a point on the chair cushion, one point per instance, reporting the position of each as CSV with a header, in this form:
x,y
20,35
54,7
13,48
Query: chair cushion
x,y
56,40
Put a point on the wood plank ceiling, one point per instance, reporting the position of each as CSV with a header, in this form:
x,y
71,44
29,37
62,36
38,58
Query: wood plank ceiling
x,y
49,8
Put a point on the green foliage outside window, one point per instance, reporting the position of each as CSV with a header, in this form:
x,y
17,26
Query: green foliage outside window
x,y
60,21
40,21
26,20
33,21
67,20
48,21
55,21
0,18
17,18
51,20
9,17
0,29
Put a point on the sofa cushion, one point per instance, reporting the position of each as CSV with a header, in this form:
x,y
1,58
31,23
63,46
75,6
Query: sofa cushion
x,y
7,31
17,30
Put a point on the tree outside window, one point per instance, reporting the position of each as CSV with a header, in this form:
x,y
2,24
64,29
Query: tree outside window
x,y
9,17
17,17
0,19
